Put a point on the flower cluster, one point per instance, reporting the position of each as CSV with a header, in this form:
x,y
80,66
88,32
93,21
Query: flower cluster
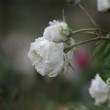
x,y
47,52
100,91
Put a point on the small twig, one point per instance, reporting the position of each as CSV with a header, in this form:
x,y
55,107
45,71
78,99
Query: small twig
x,y
87,14
71,66
88,31
63,13
91,40
91,33
87,41
84,30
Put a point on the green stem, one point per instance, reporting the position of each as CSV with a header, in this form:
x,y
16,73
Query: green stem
x,y
89,29
87,14
86,41
84,30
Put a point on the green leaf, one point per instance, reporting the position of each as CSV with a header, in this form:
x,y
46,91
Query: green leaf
x,y
105,71
105,74
101,59
106,51
100,53
100,45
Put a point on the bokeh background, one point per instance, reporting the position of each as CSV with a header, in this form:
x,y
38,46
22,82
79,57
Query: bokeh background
x,y
21,87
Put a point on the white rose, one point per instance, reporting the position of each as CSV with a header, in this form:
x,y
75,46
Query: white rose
x,y
99,90
103,5
48,57
57,31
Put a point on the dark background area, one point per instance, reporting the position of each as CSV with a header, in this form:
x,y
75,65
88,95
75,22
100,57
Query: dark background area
x,y
21,87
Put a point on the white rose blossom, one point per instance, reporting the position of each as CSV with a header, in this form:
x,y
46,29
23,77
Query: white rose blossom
x,y
57,31
103,5
48,57
100,91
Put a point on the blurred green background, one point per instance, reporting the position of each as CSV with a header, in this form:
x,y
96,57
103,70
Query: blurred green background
x,y
21,87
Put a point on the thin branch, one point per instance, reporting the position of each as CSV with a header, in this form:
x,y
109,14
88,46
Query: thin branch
x,y
87,14
84,30
87,41
91,40
71,66
63,13
91,33
88,31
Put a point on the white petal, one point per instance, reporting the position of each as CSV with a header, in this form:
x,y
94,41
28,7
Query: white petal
x,y
103,5
56,31
99,90
48,57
